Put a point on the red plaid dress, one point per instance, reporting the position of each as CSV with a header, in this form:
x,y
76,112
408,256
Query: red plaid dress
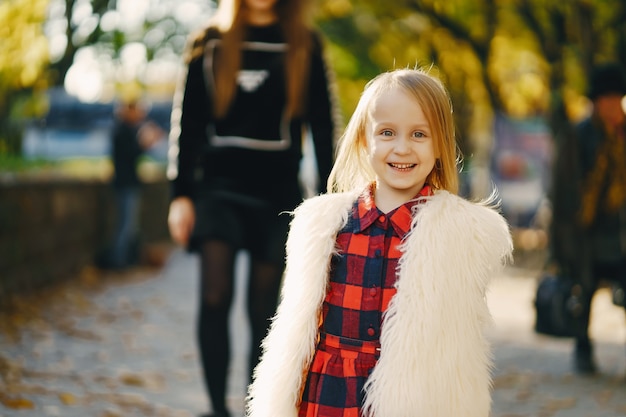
x,y
362,282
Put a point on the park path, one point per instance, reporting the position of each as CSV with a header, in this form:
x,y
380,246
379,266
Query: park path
x,y
123,344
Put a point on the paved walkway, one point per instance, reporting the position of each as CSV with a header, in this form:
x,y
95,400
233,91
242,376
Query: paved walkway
x,y
111,345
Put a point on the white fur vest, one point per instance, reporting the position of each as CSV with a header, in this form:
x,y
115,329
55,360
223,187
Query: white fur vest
x,y
435,360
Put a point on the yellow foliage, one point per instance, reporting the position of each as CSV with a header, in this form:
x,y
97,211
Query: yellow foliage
x,y
520,74
335,8
24,47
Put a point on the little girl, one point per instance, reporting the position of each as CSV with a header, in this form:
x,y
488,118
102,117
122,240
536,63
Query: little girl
x,y
383,303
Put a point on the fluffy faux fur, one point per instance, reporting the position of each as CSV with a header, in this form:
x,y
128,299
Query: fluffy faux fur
x,y
435,361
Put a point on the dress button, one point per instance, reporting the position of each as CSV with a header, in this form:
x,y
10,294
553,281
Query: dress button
x,y
377,253
371,331
373,291
381,219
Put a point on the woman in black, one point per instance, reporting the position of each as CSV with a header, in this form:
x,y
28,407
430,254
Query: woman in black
x,y
256,83
588,196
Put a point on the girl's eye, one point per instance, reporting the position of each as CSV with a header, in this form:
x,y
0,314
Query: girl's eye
x,y
418,134
386,132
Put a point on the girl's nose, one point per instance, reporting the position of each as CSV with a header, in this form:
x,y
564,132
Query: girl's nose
x,y
402,145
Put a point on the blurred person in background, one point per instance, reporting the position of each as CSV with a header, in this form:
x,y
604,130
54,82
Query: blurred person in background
x,y
132,136
588,230
256,80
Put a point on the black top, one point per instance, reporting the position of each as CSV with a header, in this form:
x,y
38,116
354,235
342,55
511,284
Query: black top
x,y
254,149
574,247
125,154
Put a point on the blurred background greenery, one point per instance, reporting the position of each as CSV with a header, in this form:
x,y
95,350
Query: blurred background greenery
x,y
517,58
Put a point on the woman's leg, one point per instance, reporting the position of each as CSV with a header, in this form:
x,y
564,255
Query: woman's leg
x,y
217,260
263,289
128,199
585,360
583,354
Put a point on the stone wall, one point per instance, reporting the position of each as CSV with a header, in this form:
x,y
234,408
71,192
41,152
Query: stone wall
x,y
51,229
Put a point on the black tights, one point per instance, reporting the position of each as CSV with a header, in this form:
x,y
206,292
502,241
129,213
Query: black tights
x,y
617,273
217,260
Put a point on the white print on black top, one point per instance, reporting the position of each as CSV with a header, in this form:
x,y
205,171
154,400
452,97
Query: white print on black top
x,y
251,80
259,74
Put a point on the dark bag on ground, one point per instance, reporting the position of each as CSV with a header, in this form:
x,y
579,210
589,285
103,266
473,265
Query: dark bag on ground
x,y
557,306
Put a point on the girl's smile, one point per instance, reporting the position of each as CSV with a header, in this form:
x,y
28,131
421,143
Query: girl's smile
x,y
402,167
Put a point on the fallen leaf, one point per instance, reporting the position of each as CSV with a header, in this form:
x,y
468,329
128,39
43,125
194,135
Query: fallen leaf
x,y
133,380
68,399
17,403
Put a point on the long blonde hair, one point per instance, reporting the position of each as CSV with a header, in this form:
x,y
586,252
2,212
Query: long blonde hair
x,y
229,20
352,169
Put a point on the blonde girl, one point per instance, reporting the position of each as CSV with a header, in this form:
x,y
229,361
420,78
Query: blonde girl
x,y
383,305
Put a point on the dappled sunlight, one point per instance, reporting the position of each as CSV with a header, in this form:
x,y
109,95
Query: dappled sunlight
x,y
133,12
153,34
132,62
84,79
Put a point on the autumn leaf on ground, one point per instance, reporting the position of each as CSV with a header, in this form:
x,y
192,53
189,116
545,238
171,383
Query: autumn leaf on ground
x,y
18,403
68,398
132,380
149,381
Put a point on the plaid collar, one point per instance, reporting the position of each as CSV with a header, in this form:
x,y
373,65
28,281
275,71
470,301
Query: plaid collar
x,y
366,212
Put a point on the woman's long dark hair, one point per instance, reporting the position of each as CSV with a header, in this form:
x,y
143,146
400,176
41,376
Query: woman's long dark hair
x,y
229,21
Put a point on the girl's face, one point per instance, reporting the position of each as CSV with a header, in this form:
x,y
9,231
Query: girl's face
x,y
260,9
400,148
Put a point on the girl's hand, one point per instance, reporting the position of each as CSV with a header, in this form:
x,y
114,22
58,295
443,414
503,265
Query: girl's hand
x,y
181,219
